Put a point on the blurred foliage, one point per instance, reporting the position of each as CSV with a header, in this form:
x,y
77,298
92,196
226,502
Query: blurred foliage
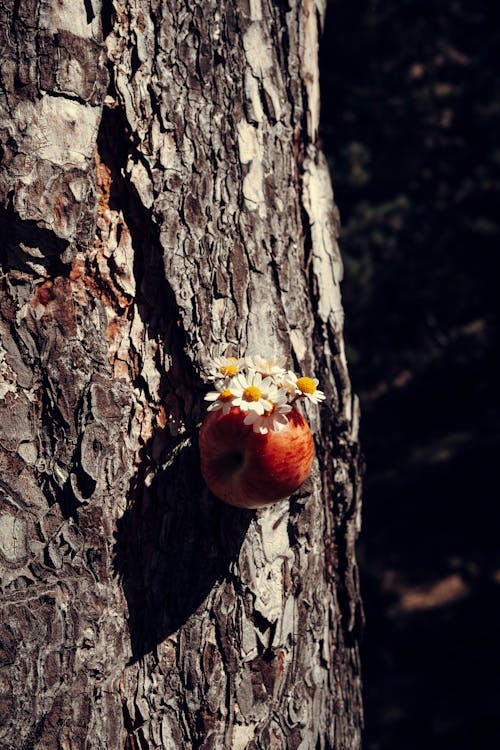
x,y
411,116
411,123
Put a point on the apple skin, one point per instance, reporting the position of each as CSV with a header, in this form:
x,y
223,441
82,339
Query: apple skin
x,y
250,470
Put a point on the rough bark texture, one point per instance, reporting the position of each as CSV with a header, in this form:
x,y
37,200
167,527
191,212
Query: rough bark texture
x,y
163,193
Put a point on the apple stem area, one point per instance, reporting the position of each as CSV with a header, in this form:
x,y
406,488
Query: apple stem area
x,y
233,461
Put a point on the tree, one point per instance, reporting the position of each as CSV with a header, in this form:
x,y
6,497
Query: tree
x,y
163,194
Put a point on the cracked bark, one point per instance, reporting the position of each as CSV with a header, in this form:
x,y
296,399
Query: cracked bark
x,y
163,192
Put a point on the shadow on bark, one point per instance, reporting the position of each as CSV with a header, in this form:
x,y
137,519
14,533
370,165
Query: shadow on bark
x,y
172,544
175,540
28,247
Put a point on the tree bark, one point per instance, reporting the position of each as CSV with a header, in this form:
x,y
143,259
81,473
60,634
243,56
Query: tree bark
x,y
163,195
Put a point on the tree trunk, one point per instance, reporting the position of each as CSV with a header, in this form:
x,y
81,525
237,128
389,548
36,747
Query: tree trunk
x,y
163,194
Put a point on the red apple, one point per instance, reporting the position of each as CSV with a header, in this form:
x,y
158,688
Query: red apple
x,y
250,470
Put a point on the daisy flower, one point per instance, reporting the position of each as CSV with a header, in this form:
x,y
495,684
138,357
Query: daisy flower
x,y
272,367
251,392
272,419
303,387
222,397
225,367
289,383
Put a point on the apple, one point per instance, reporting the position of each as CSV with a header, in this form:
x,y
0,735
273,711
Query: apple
x,y
251,470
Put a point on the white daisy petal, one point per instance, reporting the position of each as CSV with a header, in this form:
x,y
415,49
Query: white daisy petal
x,y
257,406
251,417
289,383
212,396
215,406
224,367
268,366
222,397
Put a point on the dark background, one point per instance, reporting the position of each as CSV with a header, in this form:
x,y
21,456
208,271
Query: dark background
x,y
411,128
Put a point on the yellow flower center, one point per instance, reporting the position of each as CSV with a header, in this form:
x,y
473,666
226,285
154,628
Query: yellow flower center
x,y
225,395
252,393
229,371
270,412
306,385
